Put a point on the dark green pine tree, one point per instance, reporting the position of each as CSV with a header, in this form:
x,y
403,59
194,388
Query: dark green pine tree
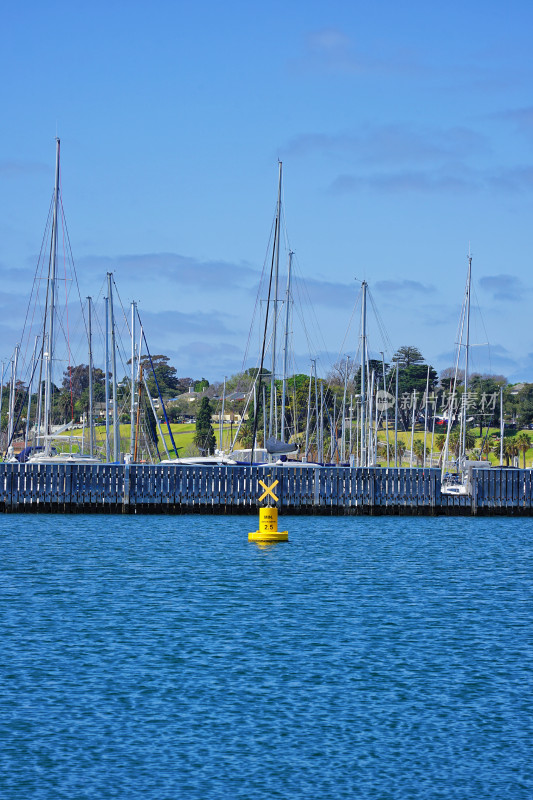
x,y
204,438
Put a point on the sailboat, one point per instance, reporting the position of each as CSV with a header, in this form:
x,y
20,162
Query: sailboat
x,y
458,483
44,452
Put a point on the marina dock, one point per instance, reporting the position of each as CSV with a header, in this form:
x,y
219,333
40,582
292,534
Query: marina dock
x,y
157,489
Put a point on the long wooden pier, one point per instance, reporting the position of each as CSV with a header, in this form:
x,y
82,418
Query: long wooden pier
x,y
146,489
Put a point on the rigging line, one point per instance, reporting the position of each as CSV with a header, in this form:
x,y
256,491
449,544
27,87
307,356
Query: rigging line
x,y
250,391
144,428
121,304
302,290
74,271
23,402
124,358
349,326
299,288
381,326
47,300
284,224
258,297
37,279
473,288
66,311
312,346
95,304
256,414
157,384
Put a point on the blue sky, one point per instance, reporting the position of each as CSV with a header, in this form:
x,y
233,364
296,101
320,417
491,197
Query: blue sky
x,y
405,131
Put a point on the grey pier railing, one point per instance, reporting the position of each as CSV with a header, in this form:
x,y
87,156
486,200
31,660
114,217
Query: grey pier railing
x,y
145,489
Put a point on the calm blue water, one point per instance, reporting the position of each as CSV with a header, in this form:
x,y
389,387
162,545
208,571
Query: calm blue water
x,y
166,657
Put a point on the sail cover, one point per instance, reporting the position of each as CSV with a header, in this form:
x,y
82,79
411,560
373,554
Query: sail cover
x,y
275,447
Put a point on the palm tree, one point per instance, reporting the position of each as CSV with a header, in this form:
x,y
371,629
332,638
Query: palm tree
x,y
401,451
440,441
455,441
418,450
470,439
510,449
523,443
487,446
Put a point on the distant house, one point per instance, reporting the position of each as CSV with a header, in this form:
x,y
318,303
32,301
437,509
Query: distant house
x,y
99,410
191,395
236,396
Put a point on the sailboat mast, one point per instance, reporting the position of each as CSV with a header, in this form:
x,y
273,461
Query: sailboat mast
x,y
465,312
426,417
116,429
30,387
370,448
413,419
264,417
138,420
272,429
14,365
363,375
467,349
157,420
343,422
321,456
317,417
51,308
396,417
107,445
350,431
308,420
132,380
90,337
221,420
502,426
1,392
385,397
286,346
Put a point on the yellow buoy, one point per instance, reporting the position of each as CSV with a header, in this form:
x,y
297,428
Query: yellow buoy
x,y
268,527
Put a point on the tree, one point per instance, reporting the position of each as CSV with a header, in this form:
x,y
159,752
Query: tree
x,y
184,384
407,355
455,442
523,443
76,380
484,398
401,451
413,379
525,405
447,376
204,438
342,370
487,446
165,374
440,441
62,407
510,449
201,385
418,450
252,372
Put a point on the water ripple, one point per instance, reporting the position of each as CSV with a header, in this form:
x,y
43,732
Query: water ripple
x,y
167,657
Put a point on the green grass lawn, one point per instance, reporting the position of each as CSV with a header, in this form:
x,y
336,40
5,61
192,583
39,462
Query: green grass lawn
x,y
405,437
183,434
184,438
